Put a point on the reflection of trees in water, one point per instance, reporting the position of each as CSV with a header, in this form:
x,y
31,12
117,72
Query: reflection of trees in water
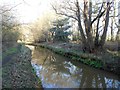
x,y
39,55
55,63
56,69
92,80
98,80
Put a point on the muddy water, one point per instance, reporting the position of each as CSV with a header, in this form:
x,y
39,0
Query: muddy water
x,y
56,71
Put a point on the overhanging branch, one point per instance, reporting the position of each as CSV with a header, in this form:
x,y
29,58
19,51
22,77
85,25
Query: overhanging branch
x,y
64,14
3,11
98,16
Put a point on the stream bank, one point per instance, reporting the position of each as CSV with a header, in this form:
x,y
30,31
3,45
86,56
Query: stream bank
x,y
17,71
57,71
107,61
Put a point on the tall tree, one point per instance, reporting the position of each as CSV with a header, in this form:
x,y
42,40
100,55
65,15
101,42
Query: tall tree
x,y
74,10
10,25
103,37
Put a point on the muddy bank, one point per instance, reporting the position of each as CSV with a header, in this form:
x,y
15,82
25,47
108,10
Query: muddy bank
x,y
17,71
106,61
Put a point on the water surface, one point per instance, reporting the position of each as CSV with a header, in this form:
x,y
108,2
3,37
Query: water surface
x,y
56,71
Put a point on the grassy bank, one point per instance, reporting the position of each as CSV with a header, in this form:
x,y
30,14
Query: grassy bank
x,y
96,61
17,71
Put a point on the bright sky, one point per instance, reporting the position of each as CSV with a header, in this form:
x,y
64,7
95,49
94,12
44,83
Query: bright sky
x,y
29,10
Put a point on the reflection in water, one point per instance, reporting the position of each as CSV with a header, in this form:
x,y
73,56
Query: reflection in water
x,y
57,71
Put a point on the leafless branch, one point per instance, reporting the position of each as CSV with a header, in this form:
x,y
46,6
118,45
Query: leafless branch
x,y
70,7
98,16
26,3
116,24
3,11
60,13
116,15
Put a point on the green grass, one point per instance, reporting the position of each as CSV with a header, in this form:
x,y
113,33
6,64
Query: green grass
x,y
9,52
82,57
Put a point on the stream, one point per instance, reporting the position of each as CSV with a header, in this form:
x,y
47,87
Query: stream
x,y
56,71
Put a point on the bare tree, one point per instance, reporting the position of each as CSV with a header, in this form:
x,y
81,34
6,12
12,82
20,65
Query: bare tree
x,y
103,37
10,24
84,15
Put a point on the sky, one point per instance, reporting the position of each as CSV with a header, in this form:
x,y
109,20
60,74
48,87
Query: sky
x,y
28,10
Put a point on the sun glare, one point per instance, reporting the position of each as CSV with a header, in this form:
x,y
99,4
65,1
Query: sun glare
x,y
29,10
32,9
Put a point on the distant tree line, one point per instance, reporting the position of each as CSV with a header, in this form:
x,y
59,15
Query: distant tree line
x,y
10,25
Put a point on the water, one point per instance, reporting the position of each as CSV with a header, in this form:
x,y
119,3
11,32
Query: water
x,y
56,71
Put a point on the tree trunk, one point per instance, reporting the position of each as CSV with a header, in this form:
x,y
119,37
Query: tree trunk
x,y
97,34
87,22
118,33
118,38
112,39
103,37
78,14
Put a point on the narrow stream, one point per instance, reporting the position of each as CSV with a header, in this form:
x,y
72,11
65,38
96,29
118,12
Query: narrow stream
x,y
56,71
